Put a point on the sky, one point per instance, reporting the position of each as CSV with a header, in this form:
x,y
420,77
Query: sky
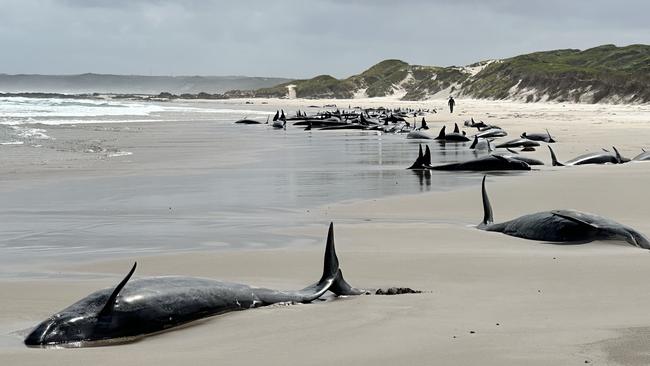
x,y
297,39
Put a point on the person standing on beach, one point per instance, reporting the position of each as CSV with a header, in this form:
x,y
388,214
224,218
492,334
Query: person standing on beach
x,y
451,103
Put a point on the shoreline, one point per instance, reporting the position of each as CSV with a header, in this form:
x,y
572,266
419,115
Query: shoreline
x,y
554,304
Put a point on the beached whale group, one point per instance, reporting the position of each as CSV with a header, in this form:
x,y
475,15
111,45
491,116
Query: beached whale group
x,y
388,120
139,307
511,159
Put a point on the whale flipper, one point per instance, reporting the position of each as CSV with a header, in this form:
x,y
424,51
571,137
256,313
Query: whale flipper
x,y
566,215
332,278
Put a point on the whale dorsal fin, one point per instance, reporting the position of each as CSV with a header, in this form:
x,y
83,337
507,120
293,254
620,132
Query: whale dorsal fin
x,y
550,138
456,129
488,216
473,145
427,156
619,158
110,303
554,158
417,164
565,215
442,133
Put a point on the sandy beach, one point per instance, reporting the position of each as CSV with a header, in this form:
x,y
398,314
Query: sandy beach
x,y
487,298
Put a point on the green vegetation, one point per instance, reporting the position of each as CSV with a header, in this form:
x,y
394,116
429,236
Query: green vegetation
x,y
563,75
380,79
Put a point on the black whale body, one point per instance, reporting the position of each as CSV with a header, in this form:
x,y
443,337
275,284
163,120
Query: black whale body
x,y
561,226
486,163
148,305
451,137
590,158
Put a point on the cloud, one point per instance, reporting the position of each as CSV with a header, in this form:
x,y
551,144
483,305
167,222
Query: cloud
x,y
297,38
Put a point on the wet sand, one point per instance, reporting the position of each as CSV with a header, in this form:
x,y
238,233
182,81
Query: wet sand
x,y
525,302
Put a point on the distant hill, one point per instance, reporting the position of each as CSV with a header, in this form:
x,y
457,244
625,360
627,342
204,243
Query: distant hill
x,y
134,84
602,74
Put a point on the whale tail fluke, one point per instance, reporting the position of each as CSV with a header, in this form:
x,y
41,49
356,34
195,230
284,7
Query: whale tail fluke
x,y
330,261
488,216
332,278
554,158
341,288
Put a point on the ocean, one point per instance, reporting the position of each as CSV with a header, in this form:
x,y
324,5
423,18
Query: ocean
x,y
262,179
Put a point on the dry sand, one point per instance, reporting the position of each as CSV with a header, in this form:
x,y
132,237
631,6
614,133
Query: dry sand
x,y
488,299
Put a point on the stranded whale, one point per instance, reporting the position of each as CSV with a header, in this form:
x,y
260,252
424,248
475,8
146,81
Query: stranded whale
x,y
484,163
451,137
545,137
561,226
148,305
590,158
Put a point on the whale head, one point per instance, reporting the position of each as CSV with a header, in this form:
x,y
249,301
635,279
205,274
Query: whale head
x,y
90,319
63,329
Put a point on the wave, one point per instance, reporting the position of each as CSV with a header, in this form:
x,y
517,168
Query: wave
x,y
54,111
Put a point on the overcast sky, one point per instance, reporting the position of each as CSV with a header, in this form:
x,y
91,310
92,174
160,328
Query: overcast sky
x,y
298,38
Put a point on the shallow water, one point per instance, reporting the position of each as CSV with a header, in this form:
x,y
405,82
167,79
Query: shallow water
x,y
229,207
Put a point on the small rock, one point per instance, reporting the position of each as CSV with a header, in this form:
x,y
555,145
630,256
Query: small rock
x,y
472,332
396,291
